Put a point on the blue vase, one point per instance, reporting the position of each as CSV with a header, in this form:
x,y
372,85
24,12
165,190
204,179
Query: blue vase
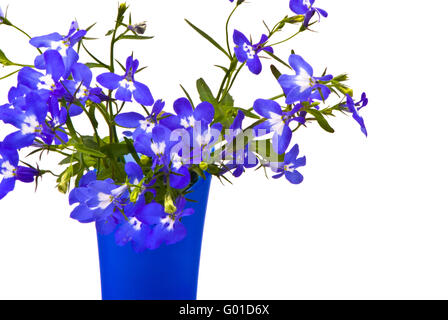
x,y
167,273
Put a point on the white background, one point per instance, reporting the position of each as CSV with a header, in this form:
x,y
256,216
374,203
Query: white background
x,y
370,220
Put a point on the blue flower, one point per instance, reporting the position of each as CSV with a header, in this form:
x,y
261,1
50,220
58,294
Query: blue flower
x,y
132,229
354,109
241,157
187,117
167,228
126,85
99,201
305,7
156,146
47,84
10,171
17,96
277,122
63,45
288,168
80,86
30,122
143,125
247,52
303,85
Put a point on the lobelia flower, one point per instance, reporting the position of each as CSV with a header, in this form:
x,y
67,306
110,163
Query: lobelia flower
x,y
288,168
80,89
187,117
242,158
53,129
156,146
10,171
63,45
247,52
354,109
47,84
132,229
29,122
101,201
277,122
126,85
17,96
305,7
141,124
303,85
167,228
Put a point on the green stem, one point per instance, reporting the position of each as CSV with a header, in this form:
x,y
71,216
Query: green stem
x,y
227,29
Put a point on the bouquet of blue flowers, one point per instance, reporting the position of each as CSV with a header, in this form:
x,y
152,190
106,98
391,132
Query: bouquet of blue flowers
x,y
134,178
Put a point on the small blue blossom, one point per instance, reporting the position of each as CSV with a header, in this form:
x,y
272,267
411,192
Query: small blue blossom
x,y
306,8
10,171
30,122
167,228
288,168
247,52
99,201
62,44
142,125
277,122
47,84
126,85
301,86
354,109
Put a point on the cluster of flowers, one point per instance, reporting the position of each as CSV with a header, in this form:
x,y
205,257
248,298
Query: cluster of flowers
x,y
145,205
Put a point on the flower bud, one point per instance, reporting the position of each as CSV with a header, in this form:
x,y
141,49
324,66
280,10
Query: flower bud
x,y
170,208
295,19
139,28
134,195
203,165
144,160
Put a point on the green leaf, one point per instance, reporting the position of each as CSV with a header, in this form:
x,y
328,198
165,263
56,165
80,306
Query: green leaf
x,y
86,150
94,65
4,60
188,95
115,150
133,37
205,93
275,72
321,120
249,114
210,39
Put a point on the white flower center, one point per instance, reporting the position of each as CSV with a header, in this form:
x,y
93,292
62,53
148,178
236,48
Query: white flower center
x,y
288,168
168,220
128,85
276,122
158,148
187,122
82,91
46,83
307,3
7,170
104,200
204,139
147,125
30,125
60,46
176,161
249,51
137,225
304,80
